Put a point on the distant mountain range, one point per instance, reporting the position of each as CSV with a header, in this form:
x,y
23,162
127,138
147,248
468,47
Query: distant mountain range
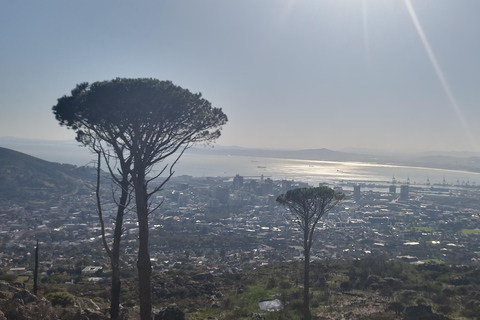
x,y
71,152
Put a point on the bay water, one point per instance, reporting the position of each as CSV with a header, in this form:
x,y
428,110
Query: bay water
x,y
315,172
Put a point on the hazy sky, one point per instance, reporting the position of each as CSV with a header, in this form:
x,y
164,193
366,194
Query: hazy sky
x,y
378,74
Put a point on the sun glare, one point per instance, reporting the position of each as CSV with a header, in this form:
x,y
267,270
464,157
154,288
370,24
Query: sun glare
x,y
438,70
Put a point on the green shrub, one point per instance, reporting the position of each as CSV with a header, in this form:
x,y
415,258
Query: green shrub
x,y
296,305
396,306
8,277
61,299
272,283
285,285
129,303
346,286
441,299
297,294
445,309
5,295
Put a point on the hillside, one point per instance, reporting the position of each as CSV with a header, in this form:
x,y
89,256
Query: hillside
x,y
373,288
25,179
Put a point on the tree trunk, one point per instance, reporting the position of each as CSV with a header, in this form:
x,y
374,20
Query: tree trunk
x,y
117,236
115,294
306,278
143,263
114,253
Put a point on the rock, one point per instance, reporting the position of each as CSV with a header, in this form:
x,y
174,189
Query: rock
x,y
321,282
95,315
89,314
421,312
80,315
203,277
171,312
124,314
7,287
25,306
208,288
16,310
215,305
25,296
161,292
44,302
218,295
19,285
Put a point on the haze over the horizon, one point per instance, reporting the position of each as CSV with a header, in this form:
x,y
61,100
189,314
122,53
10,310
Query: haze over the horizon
x,y
397,75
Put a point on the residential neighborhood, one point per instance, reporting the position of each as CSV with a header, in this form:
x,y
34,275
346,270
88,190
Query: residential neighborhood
x,y
227,224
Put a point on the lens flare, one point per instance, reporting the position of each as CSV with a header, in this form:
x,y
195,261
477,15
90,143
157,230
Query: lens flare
x,y
441,77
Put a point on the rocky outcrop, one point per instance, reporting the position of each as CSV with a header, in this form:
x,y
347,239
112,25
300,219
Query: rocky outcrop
x,y
421,312
26,306
171,312
25,296
89,314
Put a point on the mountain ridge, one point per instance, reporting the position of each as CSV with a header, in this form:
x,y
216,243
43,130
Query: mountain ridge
x,y
24,178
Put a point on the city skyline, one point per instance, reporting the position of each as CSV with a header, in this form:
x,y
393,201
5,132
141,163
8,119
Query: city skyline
x,y
388,75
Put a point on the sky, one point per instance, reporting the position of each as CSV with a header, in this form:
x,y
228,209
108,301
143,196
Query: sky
x,y
395,75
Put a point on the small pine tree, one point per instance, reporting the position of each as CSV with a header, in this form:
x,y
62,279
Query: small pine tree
x,y
35,272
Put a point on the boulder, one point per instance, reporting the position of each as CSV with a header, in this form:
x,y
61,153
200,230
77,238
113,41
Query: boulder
x,y
422,312
25,296
208,288
89,314
161,292
171,312
203,277
7,287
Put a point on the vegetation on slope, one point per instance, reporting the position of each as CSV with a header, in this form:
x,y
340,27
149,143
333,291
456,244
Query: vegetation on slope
x,y
29,179
373,288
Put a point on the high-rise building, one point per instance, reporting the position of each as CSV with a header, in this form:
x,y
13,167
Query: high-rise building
x,y
356,192
251,185
404,192
392,189
222,194
237,182
272,201
266,187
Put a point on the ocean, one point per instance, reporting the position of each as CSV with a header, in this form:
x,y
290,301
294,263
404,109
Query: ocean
x,y
312,172
315,172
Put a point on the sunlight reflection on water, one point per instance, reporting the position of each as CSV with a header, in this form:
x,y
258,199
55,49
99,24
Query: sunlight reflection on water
x,y
315,172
